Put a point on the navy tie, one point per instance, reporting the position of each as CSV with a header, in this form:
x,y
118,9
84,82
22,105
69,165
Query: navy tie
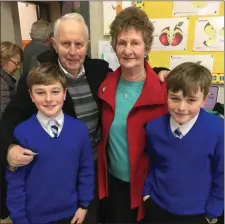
x,y
178,133
54,129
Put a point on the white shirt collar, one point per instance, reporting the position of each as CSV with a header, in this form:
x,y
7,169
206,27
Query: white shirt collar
x,y
81,73
184,128
44,121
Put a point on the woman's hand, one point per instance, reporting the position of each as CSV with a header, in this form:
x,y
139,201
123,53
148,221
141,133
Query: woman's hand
x,y
163,74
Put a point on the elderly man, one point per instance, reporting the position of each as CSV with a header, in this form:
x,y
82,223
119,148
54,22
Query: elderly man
x,y
84,75
41,34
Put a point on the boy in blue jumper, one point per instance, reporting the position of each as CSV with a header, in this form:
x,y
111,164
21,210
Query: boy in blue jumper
x,y
58,185
185,181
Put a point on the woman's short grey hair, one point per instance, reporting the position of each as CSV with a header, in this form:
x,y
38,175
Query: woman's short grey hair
x,y
41,30
73,16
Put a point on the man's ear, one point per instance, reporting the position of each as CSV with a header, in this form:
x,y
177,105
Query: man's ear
x,y
54,44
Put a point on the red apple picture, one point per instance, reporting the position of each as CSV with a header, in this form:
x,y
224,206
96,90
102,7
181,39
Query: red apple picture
x,y
177,36
164,37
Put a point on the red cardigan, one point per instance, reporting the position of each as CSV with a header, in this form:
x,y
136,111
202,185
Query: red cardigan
x,y
150,104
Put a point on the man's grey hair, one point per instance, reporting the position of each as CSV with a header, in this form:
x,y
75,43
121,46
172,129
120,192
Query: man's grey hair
x,y
72,16
41,30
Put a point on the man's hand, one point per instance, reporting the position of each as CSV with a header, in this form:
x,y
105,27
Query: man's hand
x,y
18,156
163,74
146,197
79,216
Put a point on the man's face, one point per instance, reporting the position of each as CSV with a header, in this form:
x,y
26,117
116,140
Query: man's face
x,y
183,109
71,44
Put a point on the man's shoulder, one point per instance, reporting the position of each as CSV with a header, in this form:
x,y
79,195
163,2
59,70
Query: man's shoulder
x,y
97,63
74,122
48,56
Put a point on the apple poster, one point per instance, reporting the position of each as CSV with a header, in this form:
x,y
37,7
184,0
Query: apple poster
x,y
188,8
205,60
209,34
170,34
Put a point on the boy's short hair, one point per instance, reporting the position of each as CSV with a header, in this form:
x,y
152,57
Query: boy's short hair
x,y
46,74
189,77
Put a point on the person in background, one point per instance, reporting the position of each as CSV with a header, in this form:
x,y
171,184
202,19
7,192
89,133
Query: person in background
x,y
185,182
130,97
41,34
11,57
84,76
55,187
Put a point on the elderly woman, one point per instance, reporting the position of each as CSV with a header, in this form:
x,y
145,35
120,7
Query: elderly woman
x,y
131,96
11,56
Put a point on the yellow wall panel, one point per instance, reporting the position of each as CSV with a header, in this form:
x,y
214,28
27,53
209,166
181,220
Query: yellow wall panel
x,y
164,9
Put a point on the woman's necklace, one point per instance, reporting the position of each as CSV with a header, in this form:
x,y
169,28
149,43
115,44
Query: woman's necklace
x,y
125,95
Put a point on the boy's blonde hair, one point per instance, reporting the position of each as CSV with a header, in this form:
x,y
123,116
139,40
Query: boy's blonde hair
x,y
189,77
46,74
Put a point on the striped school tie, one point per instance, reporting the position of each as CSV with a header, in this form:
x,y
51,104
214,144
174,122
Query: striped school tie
x,y
177,133
54,128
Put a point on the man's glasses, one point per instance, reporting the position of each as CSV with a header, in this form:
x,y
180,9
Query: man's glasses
x,y
16,63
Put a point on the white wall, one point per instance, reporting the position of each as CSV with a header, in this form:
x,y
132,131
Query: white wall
x,y
27,15
96,26
7,28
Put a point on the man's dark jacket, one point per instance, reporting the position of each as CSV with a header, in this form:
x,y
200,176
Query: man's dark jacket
x,y
21,108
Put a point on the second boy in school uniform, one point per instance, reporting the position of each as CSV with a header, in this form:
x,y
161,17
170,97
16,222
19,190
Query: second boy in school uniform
x,y
185,182
58,185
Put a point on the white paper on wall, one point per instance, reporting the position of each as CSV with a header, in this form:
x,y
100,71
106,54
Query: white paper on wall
x,y
187,8
205,60
170,34
111,9
106,52
209,34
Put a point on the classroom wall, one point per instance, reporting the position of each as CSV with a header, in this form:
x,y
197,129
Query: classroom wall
x,y
7,28
154,10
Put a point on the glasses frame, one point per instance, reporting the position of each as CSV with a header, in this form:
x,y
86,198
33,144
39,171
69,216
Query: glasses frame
x,y
16,63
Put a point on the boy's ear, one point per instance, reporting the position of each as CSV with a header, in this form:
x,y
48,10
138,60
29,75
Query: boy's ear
x,y
65,93
30,92
205,99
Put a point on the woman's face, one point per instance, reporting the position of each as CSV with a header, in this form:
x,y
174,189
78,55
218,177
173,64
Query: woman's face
x,y
130,48
13,64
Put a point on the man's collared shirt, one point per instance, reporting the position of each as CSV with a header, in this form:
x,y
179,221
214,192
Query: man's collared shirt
x,y
184,128
46,122
81,72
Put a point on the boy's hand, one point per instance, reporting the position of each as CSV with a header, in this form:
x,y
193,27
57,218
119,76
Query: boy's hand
x,y
146,197
79,216
163,74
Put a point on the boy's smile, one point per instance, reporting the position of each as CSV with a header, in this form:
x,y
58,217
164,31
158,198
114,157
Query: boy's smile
x,y
48,99
183,109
